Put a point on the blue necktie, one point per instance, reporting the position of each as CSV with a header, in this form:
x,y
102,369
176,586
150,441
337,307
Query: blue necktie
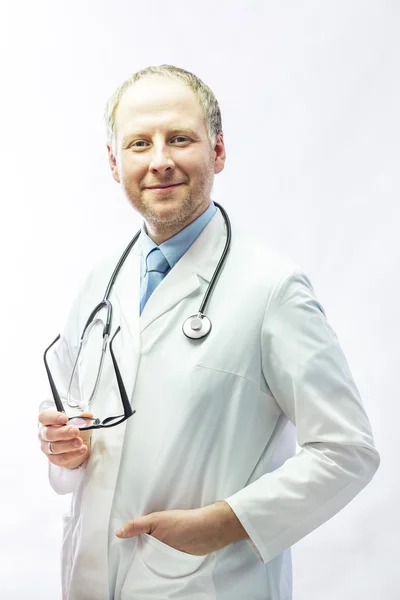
x,y
157,267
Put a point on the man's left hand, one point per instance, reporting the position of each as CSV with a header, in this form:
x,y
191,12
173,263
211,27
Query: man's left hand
x,y
197,531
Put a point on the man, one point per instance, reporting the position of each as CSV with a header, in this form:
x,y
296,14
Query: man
x,y
198,495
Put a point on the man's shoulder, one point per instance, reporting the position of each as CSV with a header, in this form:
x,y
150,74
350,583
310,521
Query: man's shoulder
x,y
257,256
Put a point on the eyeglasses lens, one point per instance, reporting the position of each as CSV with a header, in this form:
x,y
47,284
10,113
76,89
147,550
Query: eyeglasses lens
x,y
83,422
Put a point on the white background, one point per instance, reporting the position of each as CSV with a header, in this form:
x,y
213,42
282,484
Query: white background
x,y
310,99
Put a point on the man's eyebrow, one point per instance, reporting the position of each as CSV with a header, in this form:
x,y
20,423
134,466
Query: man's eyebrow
x,y
130,136
142,134
186,130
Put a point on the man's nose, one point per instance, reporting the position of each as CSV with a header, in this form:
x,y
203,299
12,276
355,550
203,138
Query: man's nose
x,y
161,159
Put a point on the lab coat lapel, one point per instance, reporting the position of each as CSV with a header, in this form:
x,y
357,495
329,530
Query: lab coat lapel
x,y
184,279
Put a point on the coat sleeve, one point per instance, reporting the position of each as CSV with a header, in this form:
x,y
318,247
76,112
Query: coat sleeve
x,y
310,379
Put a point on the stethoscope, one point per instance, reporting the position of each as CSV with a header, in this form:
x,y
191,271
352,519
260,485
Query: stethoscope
x,y
195,327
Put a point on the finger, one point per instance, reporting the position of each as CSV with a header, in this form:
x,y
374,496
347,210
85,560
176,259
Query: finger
x,y
52,417
86,435
52,433
62,447
135,527
68,459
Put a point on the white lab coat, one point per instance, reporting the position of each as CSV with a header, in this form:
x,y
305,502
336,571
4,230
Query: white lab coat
x,y
213,422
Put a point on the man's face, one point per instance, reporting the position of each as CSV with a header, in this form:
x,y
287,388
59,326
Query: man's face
x,y
161,140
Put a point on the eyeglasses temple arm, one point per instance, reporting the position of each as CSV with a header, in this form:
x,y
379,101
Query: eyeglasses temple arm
x,y
122,391
56,395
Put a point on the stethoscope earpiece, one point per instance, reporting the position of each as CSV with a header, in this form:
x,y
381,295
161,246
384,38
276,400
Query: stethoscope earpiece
x,y
196,326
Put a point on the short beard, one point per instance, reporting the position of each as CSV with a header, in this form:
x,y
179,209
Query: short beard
x,y
176,221
172,221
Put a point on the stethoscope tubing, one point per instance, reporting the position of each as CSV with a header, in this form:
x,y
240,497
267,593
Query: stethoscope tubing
x,y
106,303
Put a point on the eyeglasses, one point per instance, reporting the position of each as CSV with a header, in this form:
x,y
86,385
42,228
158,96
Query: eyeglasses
x,y
86,423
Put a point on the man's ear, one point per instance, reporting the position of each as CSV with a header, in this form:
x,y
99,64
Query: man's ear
x,y
113,164
220,154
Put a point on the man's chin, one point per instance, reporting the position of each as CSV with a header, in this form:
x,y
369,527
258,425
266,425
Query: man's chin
x,y
166,206
166,213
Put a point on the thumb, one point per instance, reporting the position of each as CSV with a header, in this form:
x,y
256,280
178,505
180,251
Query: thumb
x,y
86,435
135,527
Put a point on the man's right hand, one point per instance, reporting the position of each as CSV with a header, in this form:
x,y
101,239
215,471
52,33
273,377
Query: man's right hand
x,y
70,447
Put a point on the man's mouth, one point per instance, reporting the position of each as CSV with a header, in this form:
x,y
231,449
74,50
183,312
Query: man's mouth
x,y
163,187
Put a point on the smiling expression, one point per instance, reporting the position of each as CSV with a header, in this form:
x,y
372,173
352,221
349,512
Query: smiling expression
x,y
163,157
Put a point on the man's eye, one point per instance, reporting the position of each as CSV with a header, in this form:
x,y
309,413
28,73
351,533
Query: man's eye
x,y
138,144
180,139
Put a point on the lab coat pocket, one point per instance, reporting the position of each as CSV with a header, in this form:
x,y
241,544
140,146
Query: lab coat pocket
x,y
66,554
160,571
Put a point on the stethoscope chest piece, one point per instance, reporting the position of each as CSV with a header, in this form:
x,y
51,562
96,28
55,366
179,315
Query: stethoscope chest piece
x,y
196,326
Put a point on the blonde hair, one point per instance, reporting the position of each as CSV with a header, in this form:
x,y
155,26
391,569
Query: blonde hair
x,y
204,95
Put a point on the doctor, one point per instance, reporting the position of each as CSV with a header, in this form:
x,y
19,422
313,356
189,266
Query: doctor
x,y
199,494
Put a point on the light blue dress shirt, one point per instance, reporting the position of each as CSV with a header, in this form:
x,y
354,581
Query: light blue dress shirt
x,y
174,248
